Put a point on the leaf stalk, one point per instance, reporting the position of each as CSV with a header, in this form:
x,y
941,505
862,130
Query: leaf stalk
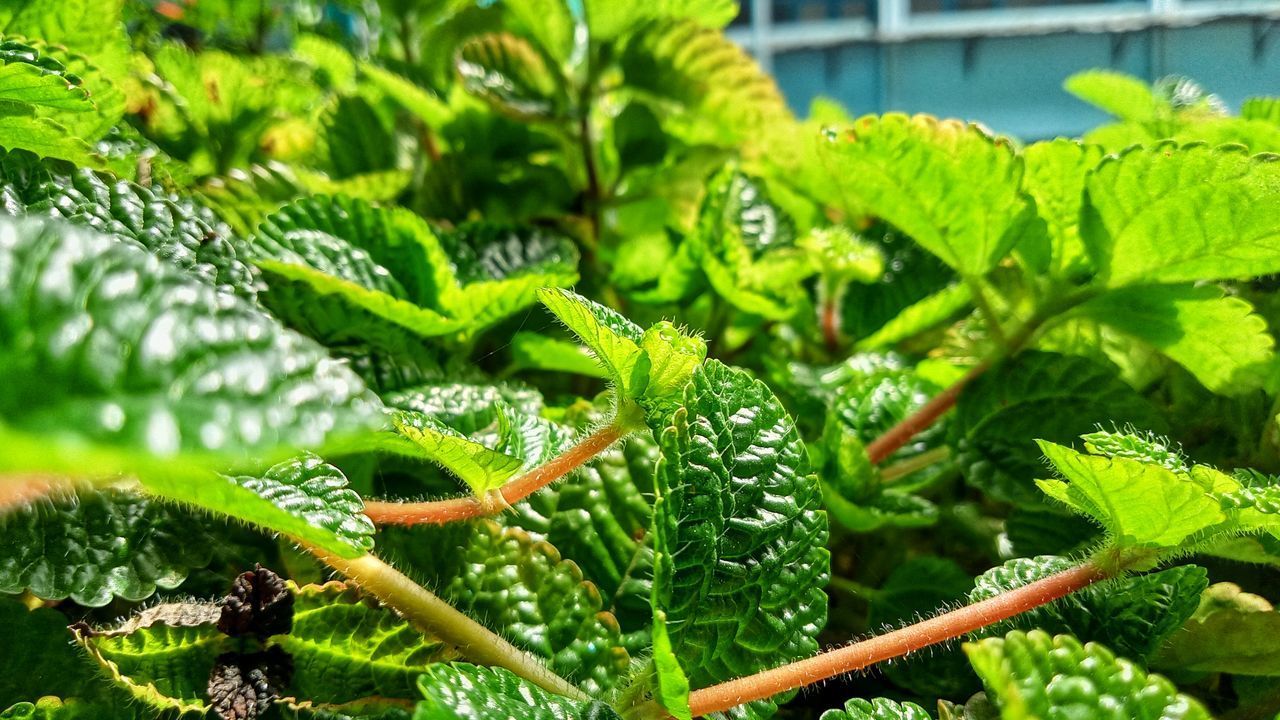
x,y
429,613
859,655
440,512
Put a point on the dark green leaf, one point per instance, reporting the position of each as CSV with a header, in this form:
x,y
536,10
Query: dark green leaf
x,y
741,541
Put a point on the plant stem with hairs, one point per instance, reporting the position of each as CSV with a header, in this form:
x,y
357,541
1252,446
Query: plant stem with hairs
x,y
439,512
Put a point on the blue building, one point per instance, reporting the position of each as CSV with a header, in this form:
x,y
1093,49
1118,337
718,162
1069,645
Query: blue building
x,y
1003,61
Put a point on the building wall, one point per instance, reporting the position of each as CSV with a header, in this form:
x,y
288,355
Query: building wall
x,y
1013,84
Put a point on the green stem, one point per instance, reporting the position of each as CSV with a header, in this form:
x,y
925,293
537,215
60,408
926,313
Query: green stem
x,y
986,310
439,512
431,614
904,468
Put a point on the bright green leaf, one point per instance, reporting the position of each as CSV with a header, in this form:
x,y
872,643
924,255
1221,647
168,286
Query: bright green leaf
x,y
1218,338
466,692
345,647
950,186
1139,504
1169,213
614,340
1032,675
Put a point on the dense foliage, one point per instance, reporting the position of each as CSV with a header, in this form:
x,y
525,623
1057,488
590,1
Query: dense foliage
x,y
531,359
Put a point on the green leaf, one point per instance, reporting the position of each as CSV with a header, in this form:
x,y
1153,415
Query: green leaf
x,y
1218,338
88,27
36,659
672,685
1124,96
420,102
304,498
950,186
52,708
99,545
1033,675
345,647
607,19
503,266
922,315
32,84
22,129
1055,179
600,522
1132,614
877,709
613,339
741,546
726,99
747,246
176,229
343,270
1169,213
120,363
164,667
531,351
86,102
1231,632
1140,505
481,468
527,593
509,74
673,356
465,692
1036,395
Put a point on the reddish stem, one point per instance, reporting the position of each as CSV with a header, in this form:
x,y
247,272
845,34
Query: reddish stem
x,y
900,434
439,512
831,324
859,655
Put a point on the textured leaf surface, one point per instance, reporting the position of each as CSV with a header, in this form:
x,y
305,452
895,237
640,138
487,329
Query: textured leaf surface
x,y
304,498
877,709
747,247
948,185
1219,339
1182,214
728,99
508,73
1037,395
740,538
99,545
1033,675
1139,504
526,592
613,339
117,358
175,229
345,648
1133,614
480,467
348,270
163,667
466,692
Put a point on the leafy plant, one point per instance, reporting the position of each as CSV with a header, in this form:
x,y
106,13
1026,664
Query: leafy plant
x,y
531,359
